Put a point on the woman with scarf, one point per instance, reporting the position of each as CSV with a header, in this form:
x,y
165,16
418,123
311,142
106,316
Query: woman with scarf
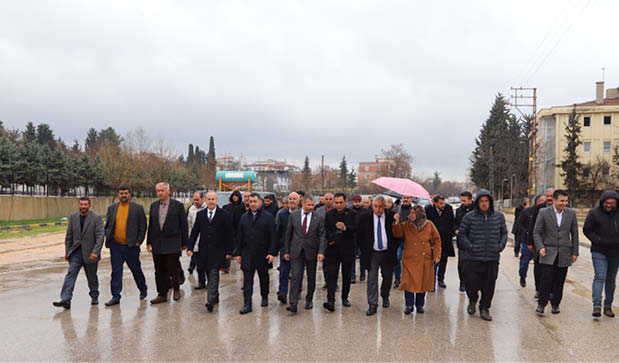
x,y
422,250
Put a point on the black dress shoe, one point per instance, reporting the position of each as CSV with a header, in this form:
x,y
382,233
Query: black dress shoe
x,y
245,310
209,307
94,301
471,308
292,308
190,269
442,284
329,306
353,280
536,294
408,310
112,302
282,299
264,302
539,309
396,284
385,303
62,304
420,310
176,295
309,305
555,309
462,287
485,315
346,303
324,287
200,287
523,282
159,300
143,295
371,310
216,300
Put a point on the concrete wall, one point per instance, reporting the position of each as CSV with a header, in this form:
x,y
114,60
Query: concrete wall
x,y
19,208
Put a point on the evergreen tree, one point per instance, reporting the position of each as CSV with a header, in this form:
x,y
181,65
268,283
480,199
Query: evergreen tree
x,y
436,181
306,173
571,166
492,148
8,161
92,137
211,164
352,178
342,179
45,135
30,134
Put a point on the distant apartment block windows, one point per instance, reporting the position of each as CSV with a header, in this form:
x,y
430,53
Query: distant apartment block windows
x,y
586,171
607,120
587,121
606,146
587,146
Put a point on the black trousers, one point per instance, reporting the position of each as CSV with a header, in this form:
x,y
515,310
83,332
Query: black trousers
x,y
517,243
333,270
537,274
461,264
552,280
248,283
481,276
167,267
441,267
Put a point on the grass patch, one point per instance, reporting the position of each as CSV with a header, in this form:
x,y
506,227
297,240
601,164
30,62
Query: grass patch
x,y
28,221
31,233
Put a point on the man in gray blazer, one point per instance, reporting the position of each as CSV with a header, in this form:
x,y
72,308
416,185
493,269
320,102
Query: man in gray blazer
x,y
83,242
556,240
304,245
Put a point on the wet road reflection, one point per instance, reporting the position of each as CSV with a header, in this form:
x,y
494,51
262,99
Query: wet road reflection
x,y
33,330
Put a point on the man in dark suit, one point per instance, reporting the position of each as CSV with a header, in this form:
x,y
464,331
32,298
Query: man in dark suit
x,y
340,226
83,242
466,205
304,245
556,241
255,250
381,247
213,227
167,236
442,215
125,229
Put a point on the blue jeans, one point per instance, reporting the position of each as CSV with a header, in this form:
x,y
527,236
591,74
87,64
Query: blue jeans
x,y
119,254
525,258
397,269
76,262
605,268
415,299
284,276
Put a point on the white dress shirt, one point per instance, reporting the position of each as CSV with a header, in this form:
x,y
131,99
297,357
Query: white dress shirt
x,y
559,216
383,230
211,213
309,219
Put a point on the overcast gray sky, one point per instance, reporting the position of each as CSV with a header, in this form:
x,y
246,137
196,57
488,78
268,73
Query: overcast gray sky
x,y
286,79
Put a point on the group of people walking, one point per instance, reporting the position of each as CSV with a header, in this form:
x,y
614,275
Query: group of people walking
x,y
410,243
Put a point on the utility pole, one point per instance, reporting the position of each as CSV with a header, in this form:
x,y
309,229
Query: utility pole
x,y
531,95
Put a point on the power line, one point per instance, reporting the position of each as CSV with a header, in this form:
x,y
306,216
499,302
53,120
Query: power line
x,y
558,41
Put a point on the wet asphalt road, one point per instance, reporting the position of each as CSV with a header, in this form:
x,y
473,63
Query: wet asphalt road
x,y
34,330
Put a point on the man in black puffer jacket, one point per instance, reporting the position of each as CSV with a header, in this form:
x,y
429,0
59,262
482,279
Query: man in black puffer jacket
x,y
483,235
602,229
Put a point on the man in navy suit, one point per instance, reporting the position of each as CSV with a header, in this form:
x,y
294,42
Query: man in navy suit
x,y
213,227
377,241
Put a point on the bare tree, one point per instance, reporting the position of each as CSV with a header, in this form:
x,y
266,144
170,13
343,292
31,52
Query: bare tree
x,y
398,163
597,176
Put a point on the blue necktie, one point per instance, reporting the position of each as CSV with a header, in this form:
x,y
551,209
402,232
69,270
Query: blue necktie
x,y
379,236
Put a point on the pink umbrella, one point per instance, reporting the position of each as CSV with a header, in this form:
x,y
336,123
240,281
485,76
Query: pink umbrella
x,y
403,186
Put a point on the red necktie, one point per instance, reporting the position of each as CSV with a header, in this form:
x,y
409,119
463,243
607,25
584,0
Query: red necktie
x,y
305,223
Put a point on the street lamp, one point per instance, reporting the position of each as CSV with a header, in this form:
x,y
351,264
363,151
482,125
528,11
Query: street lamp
x,y
511,189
